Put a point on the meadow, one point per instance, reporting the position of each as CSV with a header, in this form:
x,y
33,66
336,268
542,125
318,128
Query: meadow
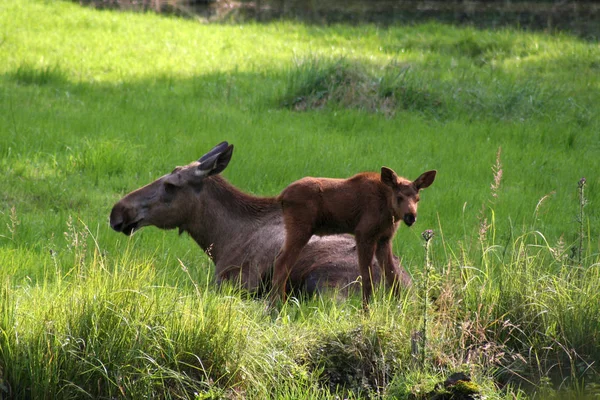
x,y
95,104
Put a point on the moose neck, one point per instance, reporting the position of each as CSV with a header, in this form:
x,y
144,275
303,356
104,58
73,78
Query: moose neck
x,y
224,217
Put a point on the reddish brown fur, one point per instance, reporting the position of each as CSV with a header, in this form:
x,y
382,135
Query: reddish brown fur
x,y
368,205
242,233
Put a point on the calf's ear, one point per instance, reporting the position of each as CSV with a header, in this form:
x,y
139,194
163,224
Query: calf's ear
x,y
425,180
389,177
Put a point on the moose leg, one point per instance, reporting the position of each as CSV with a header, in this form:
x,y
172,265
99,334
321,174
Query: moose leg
x,y
295,239
366,249
386,262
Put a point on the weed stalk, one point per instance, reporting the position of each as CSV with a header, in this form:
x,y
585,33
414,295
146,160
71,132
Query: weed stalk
x,y
580,218
14,223
427,236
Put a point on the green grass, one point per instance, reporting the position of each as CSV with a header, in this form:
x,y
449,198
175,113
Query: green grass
x,y
95,104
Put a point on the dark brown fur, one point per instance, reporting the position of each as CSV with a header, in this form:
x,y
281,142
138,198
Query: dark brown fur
x,y
368,205
242,233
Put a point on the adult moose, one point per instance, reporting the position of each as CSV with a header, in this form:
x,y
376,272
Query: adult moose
x,y
242,233
368,205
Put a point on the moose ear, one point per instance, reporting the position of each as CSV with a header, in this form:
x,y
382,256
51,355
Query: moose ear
x,y
425,180
215,161
389,177
174,178
223,160
214,151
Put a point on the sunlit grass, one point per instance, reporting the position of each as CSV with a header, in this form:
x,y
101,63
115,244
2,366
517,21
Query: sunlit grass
x,y
95,104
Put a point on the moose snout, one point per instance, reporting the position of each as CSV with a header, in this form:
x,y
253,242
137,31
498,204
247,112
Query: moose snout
x,y
116,225
116,220
409,218
119,217
124,218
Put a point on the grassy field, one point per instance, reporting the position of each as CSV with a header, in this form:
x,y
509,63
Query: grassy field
x,y
95,104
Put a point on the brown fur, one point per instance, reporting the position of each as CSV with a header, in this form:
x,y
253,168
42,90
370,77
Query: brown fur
x,y
368,205
242,233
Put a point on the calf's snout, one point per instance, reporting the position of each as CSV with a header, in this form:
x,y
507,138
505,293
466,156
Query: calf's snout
x,y
409,218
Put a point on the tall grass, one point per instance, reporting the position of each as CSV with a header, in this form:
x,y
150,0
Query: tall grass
x,y
95,104
111,326
518,301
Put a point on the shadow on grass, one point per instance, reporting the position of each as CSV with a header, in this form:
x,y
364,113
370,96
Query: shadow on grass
x,y
575,17
481,91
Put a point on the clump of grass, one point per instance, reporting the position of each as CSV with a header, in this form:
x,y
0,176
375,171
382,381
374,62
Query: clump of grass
x,y
108,331
518,313
471,43
13,224
316,83
29,74
359,361
519,99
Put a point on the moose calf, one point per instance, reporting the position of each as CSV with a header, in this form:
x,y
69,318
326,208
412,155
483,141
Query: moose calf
x,y
368,205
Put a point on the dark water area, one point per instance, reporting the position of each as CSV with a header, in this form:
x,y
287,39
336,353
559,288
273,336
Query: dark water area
x,y
581,18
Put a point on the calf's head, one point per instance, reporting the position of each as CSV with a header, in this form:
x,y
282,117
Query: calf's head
x,y
406,193
167,202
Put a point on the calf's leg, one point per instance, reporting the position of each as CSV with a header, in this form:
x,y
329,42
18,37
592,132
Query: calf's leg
x,y
385,258
297,236
365,248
